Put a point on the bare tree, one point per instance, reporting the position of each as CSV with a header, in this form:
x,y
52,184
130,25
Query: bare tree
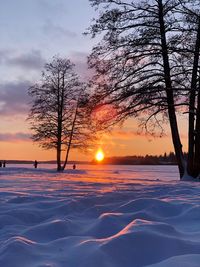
x,y
144,68
59,115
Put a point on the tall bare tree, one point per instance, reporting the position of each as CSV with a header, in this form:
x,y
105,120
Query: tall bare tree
x,y
59,115
143,66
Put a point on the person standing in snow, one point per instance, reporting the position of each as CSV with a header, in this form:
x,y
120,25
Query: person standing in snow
x,y
4,163
35,164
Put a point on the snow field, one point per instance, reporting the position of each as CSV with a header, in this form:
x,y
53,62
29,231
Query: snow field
x,y
98,218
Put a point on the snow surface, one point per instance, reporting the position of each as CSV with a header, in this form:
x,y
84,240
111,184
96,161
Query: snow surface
x,y
98,216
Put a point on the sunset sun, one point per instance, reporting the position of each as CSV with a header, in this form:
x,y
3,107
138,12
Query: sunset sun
x,y
99,155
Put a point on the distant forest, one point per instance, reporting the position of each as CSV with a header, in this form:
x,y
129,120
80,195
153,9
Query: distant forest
x,y
166,159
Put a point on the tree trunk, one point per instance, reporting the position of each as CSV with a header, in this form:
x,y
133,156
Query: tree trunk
x,y
71,136
59,157
194,134
66,158
193,146
59,144
59,126
170,96
196,167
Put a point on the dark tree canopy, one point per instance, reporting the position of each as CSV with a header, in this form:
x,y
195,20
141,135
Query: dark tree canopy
x,y
147,65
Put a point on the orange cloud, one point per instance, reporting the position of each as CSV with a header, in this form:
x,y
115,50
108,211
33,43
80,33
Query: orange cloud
x,y
15,137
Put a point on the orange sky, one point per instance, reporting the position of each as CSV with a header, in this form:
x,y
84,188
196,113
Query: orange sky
x,y
122,141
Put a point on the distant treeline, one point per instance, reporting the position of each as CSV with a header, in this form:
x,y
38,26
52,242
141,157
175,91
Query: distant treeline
x,y
166,159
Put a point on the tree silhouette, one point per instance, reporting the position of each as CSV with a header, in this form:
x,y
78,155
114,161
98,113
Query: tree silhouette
x,y
59,115
147,65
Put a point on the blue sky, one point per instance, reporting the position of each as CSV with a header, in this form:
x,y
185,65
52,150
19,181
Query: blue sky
x,y
32,31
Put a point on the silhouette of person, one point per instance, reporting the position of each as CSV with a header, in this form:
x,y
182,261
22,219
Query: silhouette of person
x,y
74,167
0,164
4,163
35,164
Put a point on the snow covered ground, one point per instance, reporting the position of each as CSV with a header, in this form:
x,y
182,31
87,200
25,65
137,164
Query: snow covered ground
x,y
98,216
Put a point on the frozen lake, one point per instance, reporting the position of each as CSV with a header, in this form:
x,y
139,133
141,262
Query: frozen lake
x,y
119,172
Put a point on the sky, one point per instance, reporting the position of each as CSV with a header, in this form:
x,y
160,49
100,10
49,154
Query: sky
x,y
32,32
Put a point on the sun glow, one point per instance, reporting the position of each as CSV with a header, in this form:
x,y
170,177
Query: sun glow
x,y
99,155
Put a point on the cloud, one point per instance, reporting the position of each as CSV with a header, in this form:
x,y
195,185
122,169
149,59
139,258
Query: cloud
x,y
32,60
14,98
56,31
15,137
128,134
51,7
4,55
